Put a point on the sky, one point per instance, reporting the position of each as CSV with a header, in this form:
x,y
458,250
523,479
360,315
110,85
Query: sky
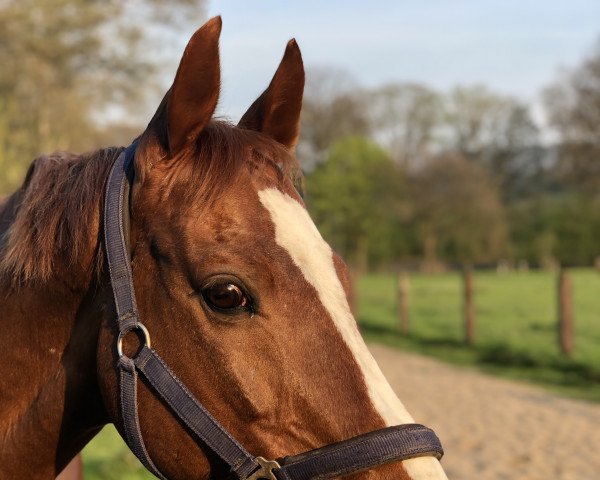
x,y
514,47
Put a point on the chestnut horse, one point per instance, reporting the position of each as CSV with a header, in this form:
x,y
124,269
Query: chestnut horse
x,y
244,299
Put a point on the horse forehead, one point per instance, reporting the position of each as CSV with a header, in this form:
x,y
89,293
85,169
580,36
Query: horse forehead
x,y
298,235
239,213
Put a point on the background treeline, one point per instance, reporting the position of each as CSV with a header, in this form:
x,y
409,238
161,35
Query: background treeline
x,y
406,174
396,174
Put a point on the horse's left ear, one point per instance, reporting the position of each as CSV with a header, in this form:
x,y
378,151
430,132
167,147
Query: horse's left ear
x,y
190,103
276,112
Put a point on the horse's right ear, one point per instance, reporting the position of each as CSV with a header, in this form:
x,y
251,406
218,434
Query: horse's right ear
x,y
276,113
190,103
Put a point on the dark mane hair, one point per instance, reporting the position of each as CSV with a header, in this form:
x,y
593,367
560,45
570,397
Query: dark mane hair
x,y
56,225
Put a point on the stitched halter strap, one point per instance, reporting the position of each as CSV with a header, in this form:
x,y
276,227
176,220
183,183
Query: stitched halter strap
x,y
380,447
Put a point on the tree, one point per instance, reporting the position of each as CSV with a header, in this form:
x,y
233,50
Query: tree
x,y
457,212
66,63
573,102
334,108
480,120
407,117
497,132
357,197
573,106
557,230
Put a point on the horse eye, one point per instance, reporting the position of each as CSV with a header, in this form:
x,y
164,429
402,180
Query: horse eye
x,y
225,296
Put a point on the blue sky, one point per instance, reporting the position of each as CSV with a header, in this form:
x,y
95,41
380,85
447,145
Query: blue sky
x,y
515,47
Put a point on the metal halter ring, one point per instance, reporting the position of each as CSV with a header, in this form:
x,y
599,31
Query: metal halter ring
x,y
137,326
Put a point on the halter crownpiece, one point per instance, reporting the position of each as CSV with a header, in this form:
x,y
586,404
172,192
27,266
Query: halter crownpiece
x,y
356,454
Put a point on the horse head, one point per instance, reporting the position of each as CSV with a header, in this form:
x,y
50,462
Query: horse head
x,y
244,298
239,292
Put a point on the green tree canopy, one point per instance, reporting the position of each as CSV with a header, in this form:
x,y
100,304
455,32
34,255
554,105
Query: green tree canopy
x,y
563,229
357,197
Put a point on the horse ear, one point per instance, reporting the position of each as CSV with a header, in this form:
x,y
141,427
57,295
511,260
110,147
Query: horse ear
x,y
190,103
276,112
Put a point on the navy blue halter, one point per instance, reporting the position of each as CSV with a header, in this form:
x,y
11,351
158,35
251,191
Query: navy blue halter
x,y
360,453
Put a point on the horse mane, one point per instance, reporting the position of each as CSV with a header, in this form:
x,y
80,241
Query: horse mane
x,y
57,212
57,216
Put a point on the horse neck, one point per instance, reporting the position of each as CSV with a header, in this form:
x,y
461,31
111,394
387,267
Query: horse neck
x,y
49,397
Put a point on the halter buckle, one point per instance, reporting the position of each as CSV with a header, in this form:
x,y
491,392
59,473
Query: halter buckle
x,y
138,326
265,472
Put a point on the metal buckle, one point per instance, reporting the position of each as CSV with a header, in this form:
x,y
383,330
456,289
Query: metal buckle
x,y
137,326
265,472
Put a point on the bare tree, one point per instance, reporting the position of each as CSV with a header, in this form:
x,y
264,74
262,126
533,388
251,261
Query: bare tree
x,y
480,121
573,102
334,108
573,106
407,117
495,131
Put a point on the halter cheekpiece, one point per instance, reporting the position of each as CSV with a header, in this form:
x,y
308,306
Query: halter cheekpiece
x,y
359,453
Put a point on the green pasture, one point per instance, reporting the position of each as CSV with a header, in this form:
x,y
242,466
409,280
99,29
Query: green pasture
x,y
107,458
516,324
515,337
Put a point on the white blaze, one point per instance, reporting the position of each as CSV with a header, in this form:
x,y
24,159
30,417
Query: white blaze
x,y
298,235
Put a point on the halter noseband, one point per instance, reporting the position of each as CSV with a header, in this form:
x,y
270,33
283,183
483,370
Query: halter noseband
x,y
359,453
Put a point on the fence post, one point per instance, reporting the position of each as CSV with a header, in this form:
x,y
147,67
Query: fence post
x,y
468,306
565,312
403,302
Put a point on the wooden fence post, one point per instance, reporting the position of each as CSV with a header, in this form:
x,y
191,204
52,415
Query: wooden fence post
x,y
403,302
468,306
565,312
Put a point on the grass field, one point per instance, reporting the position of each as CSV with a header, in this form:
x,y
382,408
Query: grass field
x,y
516,324
108,458
516,337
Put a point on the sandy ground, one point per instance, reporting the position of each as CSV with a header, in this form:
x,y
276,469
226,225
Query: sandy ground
x,y
494,429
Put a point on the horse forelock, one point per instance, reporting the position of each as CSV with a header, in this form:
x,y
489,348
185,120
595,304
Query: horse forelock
x,y
211,164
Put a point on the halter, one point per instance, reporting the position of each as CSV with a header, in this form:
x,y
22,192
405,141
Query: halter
x,y
359,453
